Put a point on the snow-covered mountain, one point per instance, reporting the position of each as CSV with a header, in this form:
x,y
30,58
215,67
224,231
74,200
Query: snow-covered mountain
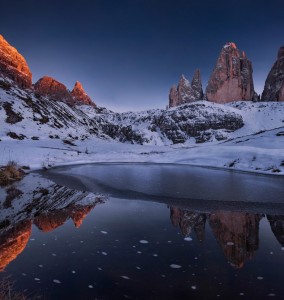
x,y
25,115
40,132
44,125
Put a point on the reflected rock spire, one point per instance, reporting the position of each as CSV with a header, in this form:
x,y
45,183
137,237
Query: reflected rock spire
x,y
237,234
188,221
277,227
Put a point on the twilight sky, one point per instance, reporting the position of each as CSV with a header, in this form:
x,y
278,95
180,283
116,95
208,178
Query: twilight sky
x,y
128,53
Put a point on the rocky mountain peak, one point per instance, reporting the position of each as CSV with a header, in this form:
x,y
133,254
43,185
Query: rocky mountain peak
x,y
80,96
230,45
231,79
274,84
13,65
55,90
183,80
186,92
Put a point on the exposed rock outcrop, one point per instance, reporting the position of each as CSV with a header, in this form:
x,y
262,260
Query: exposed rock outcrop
x,y
186,92
274,84
237,234
202,121
231,79
13,65
80,96
55,90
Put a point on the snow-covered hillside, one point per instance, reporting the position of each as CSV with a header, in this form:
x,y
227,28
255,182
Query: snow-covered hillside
x,y
195,123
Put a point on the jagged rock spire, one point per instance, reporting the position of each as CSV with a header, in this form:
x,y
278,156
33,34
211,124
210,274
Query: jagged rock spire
x,y
274,84
196,85
231,79
79,95
186,92
173,96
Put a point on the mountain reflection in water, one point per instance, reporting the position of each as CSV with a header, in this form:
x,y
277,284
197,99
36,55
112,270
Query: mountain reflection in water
x,y
54,243
237,233
47,206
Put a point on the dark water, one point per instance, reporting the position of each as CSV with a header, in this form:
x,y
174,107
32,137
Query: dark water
x,y
163,232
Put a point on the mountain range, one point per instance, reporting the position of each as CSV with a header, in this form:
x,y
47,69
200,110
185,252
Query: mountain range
x,y
231,80
45,124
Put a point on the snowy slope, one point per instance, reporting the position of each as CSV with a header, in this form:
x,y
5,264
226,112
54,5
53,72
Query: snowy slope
x,y
35,118
195,122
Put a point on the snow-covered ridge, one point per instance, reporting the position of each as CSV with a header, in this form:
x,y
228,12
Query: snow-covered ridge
x,y
23,115
195,122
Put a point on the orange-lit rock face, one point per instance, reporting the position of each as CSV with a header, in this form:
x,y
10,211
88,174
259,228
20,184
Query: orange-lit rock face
x,y
80,96
79,214
14,242
55,90
274,84
13,65
47,222
237,234
231,80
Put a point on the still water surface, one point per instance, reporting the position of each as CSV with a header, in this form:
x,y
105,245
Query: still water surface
x,y
154,232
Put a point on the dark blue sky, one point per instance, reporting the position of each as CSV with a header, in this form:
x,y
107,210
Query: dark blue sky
x,y
127,54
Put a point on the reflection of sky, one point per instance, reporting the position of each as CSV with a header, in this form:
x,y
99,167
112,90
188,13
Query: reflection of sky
x,y
128,53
